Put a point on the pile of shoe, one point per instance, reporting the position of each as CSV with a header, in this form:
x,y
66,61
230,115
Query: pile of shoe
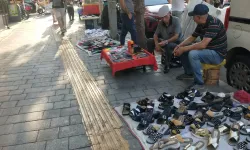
x,y
98,44
207,118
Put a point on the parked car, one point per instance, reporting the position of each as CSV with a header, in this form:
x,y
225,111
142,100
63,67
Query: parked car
x,y
238,31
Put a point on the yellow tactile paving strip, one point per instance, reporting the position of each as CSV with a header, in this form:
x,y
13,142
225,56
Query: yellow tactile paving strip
x,y
101,123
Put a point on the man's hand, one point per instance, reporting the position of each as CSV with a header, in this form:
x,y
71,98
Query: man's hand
x,y
130,16
163,43
178,51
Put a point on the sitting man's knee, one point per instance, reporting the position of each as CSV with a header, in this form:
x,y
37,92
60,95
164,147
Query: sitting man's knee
x,y
193,54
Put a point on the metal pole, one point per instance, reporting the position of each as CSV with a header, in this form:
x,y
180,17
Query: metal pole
x,y
112,18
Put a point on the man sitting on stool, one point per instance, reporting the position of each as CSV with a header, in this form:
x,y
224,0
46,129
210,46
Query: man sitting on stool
x,y
169,29
211,50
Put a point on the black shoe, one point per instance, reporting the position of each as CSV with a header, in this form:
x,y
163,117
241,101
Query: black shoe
x,y
166,69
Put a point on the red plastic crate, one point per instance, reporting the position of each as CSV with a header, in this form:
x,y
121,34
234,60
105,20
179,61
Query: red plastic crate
x,y
91,9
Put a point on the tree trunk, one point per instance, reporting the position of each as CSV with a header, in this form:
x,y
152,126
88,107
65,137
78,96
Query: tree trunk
x,y
140,25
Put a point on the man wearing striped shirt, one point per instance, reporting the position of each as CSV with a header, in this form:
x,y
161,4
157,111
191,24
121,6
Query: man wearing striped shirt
x,y
212,48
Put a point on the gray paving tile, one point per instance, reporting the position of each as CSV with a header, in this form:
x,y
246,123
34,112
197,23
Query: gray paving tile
x,y
24,117
5,129
16,92
4,98
58,144
32,101
48,134
56,98
18,97
137,94
71,130
75,119
87,148
78,142
40,94
8,104
19,138
70,111
62,121
69,97
10,111
4,93
73,103
51,113
150,92
3,120
30,146
122,96
62,92
31,126
62,104
38,107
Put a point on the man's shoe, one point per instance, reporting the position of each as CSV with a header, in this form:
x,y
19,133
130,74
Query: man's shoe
x,y
166,70
185,77
196,87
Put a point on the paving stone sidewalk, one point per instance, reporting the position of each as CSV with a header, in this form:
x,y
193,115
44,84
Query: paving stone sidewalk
x,y
38,109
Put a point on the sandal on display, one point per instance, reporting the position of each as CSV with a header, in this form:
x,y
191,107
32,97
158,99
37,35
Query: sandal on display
x,y
197,124
177,125
196,146
156,114
186,101
188,119
154,137
143,102
145,121
163,119
165,97
151,129
235,114
245,130
209,97
224,129
200,112
234,134
182,110
213,140
166,144
164,105
136,113
212,114
195,106
126,109
244,145
215,122
201,133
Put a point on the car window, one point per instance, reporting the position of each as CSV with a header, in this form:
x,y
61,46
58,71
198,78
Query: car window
x,y
155,2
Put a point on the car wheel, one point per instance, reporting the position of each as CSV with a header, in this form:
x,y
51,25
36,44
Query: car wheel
x,y
238,73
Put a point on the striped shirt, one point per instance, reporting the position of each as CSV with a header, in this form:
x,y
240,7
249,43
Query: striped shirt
x,y
214,29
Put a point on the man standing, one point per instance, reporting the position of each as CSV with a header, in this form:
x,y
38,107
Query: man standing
x,y
212,48
70,9
128,21
169,29
177,7
60,13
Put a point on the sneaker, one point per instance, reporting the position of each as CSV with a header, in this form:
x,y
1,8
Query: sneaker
x,y
185,77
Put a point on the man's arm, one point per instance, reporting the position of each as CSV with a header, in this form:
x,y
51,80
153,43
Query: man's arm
x,y
188,41
170,1
198,46
124,7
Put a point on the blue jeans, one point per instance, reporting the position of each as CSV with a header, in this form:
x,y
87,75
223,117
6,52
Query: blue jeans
x,y
128,25
192,60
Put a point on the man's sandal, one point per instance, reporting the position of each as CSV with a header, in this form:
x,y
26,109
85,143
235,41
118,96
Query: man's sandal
x,y
196,146
234,134
213,140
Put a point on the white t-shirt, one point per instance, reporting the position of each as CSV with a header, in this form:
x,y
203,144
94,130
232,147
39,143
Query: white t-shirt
x,y
178,5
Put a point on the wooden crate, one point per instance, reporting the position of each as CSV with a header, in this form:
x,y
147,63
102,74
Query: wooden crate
x,y
211,76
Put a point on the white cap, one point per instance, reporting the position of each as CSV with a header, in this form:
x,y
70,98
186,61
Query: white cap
x,y
163,11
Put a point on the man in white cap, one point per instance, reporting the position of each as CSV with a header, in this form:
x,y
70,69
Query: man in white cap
x,y
169,29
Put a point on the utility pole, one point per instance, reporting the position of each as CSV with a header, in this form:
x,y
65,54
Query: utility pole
x,y
112,18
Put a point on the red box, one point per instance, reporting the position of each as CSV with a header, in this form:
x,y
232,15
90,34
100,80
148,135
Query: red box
x,y
91,9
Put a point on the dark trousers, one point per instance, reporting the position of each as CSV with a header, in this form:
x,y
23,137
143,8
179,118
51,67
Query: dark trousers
x,y
128,25
71,13
168,49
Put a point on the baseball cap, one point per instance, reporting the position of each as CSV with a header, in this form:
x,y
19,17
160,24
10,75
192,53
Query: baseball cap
x,y
163,11
199,9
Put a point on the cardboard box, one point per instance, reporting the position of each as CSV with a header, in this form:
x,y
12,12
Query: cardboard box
x,y
211,76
